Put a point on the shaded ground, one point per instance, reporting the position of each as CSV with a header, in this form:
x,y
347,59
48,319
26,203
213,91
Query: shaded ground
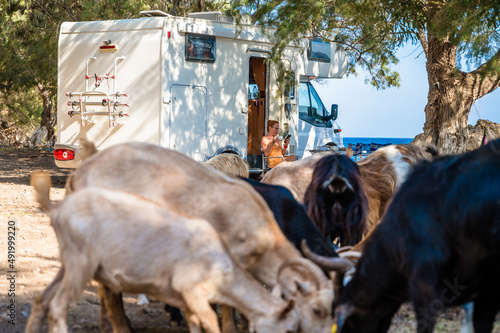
x,y
37,251
36,261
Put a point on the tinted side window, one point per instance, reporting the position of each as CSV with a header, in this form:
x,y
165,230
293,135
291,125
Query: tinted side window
x,y
319,51
200,48
311,107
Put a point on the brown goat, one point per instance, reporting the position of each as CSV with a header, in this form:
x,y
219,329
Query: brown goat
x,y
100,241
236,211
382,172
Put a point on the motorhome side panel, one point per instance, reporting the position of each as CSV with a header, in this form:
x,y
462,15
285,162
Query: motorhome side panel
x,y
117,57
205,100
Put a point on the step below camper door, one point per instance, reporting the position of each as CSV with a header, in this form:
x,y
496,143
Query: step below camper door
x,y
189,120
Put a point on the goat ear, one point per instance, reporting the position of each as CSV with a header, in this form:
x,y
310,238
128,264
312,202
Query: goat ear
x,y
349,152
287,309
303,287
341,314
299,276
294,288
277,291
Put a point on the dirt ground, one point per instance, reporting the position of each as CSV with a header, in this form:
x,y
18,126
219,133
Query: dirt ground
x,y
36,259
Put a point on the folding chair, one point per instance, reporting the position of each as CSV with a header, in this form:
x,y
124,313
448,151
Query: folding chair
x,y
265,159
359,152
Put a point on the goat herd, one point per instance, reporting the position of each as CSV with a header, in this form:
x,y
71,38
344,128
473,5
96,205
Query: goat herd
x,y
412,226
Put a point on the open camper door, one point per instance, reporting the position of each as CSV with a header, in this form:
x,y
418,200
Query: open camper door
x,y
257,87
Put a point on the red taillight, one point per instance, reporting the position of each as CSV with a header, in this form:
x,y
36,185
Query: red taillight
x,y
108,48
64,154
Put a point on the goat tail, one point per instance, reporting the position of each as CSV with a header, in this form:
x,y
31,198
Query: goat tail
x,y
41,183
88,149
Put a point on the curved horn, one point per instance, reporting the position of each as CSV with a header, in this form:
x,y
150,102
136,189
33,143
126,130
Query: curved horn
x,y
351,255
338,264
337,184
344,249
306,270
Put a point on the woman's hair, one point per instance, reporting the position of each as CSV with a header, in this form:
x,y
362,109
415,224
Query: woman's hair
x,y
271,123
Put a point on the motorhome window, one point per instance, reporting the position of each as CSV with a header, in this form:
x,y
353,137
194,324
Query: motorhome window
x,y
319,51
289,90
200,48
311,107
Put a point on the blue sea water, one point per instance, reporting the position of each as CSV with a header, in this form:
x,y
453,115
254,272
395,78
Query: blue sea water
x,y
367,141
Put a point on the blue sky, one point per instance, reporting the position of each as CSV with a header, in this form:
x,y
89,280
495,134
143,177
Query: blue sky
x,y
395,112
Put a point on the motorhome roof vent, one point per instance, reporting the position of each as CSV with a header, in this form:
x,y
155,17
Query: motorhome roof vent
x,y
212,16
154,13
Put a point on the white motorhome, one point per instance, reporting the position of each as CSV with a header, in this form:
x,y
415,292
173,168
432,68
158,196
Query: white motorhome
x,y
198,85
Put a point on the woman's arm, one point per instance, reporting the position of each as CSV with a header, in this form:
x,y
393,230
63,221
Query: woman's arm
x,y
268,144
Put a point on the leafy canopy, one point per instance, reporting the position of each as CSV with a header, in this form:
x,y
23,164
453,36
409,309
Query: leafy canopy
x,y
29,35
371,31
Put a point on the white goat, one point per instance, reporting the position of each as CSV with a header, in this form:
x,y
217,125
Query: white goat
x,y
294,176
131,244
235,210
230,164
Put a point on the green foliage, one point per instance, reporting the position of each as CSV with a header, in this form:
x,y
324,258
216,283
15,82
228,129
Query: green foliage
x,y
22,109
19,114
367,34
371,31
29,34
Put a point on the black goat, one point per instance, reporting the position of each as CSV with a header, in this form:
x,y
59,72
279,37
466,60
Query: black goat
x,y
336,201
437,246
292,218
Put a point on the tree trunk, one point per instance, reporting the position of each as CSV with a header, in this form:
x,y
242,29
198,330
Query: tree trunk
x,y
451,92
46,127
201,5
448,101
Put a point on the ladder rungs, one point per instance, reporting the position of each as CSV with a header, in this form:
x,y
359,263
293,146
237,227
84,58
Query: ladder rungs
x,y
100,113
94,93
103,103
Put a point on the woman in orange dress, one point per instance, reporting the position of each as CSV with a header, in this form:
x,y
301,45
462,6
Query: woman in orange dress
x,y
273,147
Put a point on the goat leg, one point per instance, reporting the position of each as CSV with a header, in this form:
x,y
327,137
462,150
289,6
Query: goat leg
x,y
228,325
193,322
425,315
485,310
198,306
113,317
175,314
69,289
41,305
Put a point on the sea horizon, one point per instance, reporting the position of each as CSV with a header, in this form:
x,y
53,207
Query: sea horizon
x,y
369,140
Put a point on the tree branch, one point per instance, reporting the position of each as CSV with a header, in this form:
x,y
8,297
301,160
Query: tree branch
x,y
423,41
487,81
